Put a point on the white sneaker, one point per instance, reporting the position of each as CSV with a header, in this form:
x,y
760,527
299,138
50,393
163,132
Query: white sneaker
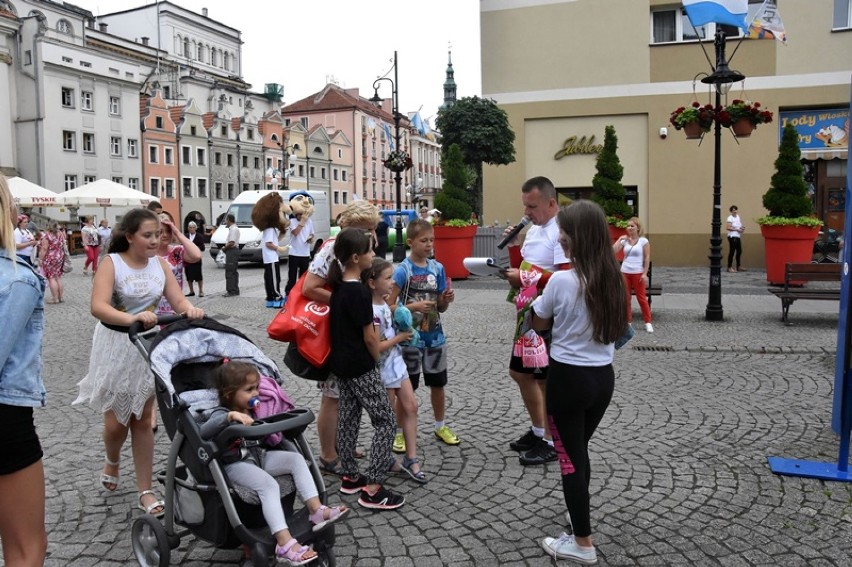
x,y
649,327
565,547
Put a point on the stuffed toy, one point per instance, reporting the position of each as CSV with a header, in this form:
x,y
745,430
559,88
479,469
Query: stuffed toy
x,y
404,322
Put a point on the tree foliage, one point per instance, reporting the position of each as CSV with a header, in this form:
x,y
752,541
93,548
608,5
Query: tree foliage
x,y
787,195
454,198
609,192
481,129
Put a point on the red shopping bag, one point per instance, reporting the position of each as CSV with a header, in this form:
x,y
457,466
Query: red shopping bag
x,y
305,322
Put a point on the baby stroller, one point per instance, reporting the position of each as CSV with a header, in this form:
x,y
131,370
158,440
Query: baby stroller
x,y
198,495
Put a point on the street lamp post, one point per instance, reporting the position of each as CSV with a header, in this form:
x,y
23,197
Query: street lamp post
x,y
399,245
721,77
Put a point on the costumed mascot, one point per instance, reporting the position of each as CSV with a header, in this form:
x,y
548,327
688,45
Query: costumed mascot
x,y
301,237
270,215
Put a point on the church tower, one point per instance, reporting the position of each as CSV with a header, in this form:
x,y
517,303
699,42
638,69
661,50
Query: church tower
x,y
449,84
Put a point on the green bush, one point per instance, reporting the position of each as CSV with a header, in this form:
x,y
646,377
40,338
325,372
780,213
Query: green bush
x,y
609,192
454,199
788,193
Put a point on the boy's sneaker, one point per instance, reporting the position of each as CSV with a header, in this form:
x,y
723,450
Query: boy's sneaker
x,y
399,443
446,435
352,485
565,547
538,455
526,442
383,499
649,328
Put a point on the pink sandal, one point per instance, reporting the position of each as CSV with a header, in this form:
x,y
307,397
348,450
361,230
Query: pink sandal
x,y
320,519
292,553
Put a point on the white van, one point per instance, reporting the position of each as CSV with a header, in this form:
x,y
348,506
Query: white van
x,y
250,235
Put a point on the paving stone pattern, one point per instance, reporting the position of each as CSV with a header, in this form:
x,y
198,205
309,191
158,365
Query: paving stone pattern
x,y
679,463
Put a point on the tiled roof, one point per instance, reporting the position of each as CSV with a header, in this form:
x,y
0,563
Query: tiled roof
x,y
332,97
208,119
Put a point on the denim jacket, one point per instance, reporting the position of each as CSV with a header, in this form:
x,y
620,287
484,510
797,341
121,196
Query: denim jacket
x,y
22,314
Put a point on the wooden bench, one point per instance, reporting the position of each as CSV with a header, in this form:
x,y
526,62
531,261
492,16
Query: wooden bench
x,y
795,274
651,289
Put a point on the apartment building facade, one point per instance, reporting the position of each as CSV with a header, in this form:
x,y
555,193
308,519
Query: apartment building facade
x,y
638,64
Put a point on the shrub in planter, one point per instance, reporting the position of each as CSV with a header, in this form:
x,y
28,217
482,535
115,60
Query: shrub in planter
x,y
609,192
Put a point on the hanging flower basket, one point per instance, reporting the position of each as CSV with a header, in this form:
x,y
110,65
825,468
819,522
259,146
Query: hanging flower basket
x,y
694,119
692,130
742,128
398,161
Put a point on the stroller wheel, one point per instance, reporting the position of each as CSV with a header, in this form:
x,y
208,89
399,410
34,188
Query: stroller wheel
x,y
150,542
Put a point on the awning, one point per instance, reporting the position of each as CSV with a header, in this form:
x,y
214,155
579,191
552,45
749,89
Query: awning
x,y
813,155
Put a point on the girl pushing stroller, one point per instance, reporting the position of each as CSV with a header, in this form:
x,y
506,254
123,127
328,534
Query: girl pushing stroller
x,y
247,463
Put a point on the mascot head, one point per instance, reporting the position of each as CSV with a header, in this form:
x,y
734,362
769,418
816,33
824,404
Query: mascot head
x,y
271,211
302,204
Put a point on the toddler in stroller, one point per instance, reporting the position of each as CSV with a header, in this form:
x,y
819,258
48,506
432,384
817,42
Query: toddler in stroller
x,y
201,494
249,464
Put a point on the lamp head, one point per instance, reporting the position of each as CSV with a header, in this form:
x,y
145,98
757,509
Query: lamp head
x,y
376,99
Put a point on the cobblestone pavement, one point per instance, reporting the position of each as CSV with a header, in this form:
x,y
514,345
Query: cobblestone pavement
x,y
679,463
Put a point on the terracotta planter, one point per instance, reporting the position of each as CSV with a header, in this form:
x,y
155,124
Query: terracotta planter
x,y
692,130
614,234
452,245
742,128
784,244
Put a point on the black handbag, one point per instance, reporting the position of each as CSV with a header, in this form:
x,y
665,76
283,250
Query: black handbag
x,y
300,367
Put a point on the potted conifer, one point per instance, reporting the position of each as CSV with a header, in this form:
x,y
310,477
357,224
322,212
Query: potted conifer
x,y
789,230
455,230
609,192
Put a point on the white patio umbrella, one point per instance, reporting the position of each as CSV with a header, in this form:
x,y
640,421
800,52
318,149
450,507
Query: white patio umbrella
x,y
28,194
103,193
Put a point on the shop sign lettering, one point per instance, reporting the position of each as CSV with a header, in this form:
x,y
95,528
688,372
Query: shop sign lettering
x,y
583,145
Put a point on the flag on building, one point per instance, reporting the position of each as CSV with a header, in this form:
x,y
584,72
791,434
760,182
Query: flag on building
x,y
767,23
419,124
371,126
730,12
388,135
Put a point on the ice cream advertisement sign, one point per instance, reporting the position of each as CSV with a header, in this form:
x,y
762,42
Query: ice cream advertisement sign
x,y
819,130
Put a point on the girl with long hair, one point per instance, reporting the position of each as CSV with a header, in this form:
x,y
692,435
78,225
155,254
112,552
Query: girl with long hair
x,y
584,308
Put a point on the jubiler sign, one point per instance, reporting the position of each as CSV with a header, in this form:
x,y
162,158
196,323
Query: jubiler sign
x,y
573,146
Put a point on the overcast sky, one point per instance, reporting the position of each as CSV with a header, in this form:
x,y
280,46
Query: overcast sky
x,y
349,42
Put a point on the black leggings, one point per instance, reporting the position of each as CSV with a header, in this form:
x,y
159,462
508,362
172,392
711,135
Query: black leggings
x,y
735,245
577,398
272,280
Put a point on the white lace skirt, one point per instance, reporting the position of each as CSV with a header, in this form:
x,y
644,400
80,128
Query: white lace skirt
x,y
119,379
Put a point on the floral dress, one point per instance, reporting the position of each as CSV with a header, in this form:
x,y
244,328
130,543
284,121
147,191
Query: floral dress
x,y
174,258
54,257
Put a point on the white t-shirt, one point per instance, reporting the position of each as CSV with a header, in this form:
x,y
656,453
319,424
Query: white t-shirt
x,y
299,242
270,256
21,236
563,301
634,257
541,246
736,224
391,363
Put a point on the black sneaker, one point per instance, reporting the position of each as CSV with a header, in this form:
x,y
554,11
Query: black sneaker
x,y
383,499
527,441
538,455
352,485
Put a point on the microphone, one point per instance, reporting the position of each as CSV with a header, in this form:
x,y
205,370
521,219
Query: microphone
x,y
515,231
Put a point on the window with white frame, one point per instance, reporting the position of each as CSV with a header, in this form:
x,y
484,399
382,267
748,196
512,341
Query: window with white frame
x,y
69,140
168,156
245,161
132,148
671,25
257,163
170,188
339,153
842,14
89,178
343,175
334,174
115,146
186,155
153,154
115,105
217,190
154,187
70,182
322,173
250,133
337,197
88,143
87,100
230,191
119,180
64,26
345,197
67,97
158,121
312,171
133,182
217,158
186,182
304,121
202,187
200,156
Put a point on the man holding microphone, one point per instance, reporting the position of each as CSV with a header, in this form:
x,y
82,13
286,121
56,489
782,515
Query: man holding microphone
x,y
540,255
